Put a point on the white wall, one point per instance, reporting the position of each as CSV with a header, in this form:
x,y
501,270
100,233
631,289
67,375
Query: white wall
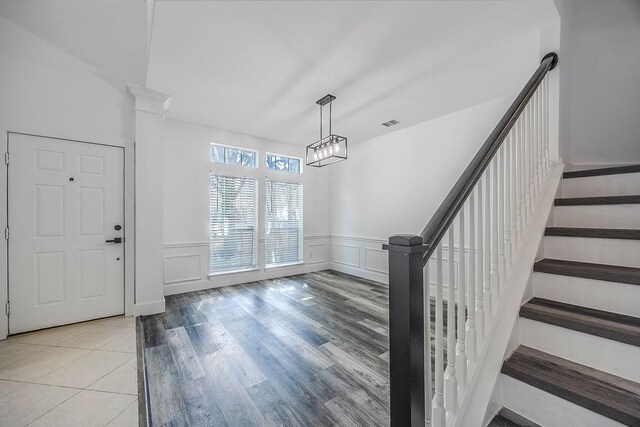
x,y
600,88
394,183
46,91
186,206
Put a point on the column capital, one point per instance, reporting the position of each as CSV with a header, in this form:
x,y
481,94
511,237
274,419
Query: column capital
x,y
148,100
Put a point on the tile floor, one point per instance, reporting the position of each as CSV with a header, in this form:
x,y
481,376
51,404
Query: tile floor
x,y
76,375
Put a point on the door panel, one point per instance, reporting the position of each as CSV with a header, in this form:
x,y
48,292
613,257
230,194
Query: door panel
x,y
65,198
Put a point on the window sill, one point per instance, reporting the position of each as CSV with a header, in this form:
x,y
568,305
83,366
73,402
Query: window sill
x,y
229,272
289,264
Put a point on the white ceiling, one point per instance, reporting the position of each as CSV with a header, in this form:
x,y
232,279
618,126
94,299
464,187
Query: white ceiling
x,y
259,67
109,35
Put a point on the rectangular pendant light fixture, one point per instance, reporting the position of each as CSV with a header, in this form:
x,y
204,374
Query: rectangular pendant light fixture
x,y
328,149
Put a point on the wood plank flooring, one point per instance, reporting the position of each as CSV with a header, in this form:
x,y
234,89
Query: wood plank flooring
x,y
298,351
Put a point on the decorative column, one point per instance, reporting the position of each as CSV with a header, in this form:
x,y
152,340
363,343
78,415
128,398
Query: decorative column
x,y
150,107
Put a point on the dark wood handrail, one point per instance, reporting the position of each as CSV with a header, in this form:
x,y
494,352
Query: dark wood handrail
x,y
451,205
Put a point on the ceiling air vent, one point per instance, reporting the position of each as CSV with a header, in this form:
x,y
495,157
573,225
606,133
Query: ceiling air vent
x,y
390,123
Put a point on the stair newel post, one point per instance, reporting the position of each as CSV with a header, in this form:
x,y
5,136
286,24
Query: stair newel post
x,y
480,314
406,330
507,203
450,379
471,284
461,351
439,414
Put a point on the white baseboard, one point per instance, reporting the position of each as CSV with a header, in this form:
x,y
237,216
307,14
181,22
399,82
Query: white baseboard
x,y
147,308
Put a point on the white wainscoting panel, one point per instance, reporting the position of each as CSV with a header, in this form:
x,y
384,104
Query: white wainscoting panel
x,y
362,257
186,265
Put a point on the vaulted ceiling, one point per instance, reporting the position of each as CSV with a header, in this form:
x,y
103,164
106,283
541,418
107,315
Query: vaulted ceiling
x,y
259,67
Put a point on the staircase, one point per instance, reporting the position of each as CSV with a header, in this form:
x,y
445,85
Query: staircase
x,y
578,362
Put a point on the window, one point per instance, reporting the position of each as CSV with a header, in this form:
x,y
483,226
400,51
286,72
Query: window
x,y
233,223
282,163
232,155
283,223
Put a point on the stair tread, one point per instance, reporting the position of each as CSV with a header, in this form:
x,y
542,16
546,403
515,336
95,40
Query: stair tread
x,y
609,325
508,418
600,233
599,200
606,394
601,171
609,273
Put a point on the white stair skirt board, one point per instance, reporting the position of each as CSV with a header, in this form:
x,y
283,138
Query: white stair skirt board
x,y
474,407
626,184
616,297
598,251
599,216
546,409
600,353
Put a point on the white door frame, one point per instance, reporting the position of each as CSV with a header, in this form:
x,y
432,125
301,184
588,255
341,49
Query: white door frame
x,y
129,225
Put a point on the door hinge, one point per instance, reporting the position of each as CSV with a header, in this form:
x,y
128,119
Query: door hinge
x,y
6,233
8,308
6,157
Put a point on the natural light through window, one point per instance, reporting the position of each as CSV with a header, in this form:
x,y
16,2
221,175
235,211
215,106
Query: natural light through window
x,y
284,239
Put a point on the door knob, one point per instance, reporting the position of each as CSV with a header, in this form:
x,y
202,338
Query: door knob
x,y
115,240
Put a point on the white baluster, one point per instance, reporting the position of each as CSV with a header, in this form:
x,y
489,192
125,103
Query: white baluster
x,y
546,122
426,312
471,285
487,253
495,278
439,416
500,218
450,379
534,146
461,355
479,274
507,202
517,199
524,170
531,144
540,134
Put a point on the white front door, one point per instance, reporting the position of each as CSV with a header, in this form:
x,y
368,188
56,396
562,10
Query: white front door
x,y
65,204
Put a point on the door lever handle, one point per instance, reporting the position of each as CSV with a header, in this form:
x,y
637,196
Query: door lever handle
x,y
115,240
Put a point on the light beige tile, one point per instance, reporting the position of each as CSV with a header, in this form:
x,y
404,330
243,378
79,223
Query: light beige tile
x,y
8,387
40,364
128,417
87,408
53,336
11,352
124,379
125,344
96,337
86,369
128,321
30,402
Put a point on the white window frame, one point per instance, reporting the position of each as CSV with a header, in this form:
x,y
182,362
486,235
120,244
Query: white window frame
x,y
300,259
268,153
233,147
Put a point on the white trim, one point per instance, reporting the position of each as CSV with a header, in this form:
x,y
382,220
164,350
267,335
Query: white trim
x,y
145,309
228,272
284,265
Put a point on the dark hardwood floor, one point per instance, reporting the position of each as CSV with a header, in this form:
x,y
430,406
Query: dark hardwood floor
x,y
309,350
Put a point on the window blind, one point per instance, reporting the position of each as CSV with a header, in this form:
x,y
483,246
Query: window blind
x,y
233,223
283,223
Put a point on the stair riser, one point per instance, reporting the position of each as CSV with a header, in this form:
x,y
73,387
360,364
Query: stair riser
x,y
605,185
546,409
608,296
599,251
599,216
600,353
